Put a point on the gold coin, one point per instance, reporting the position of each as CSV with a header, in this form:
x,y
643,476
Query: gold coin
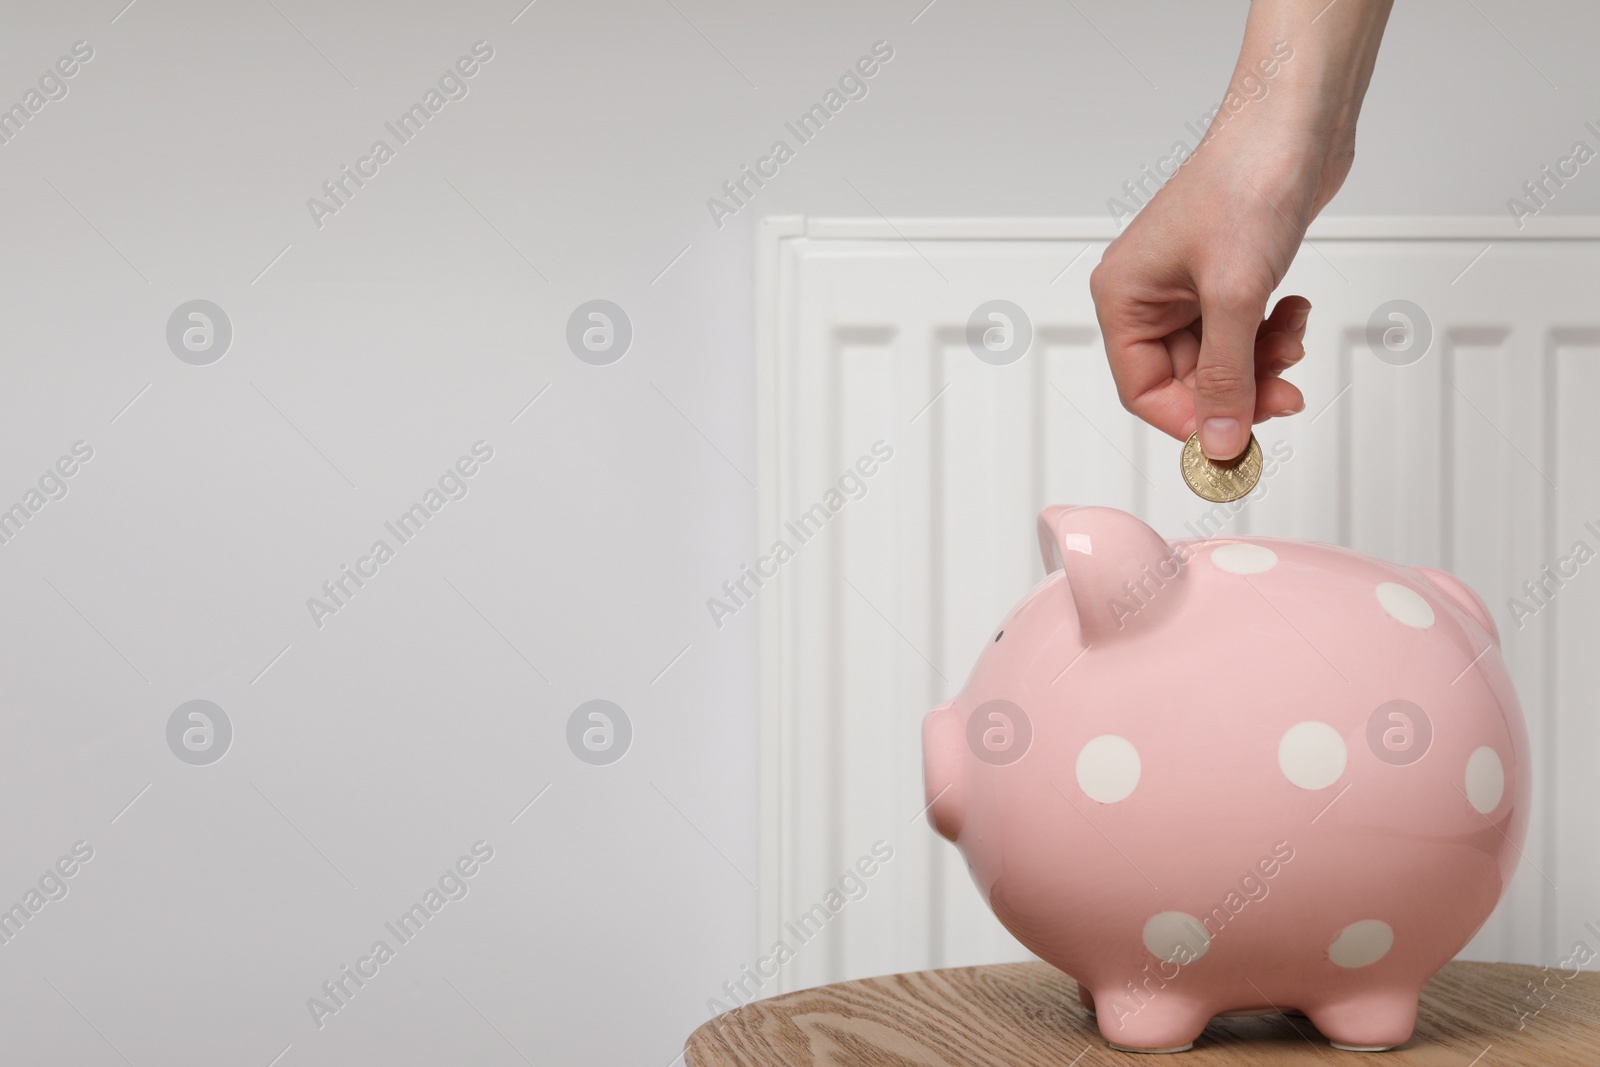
x,y
1221,482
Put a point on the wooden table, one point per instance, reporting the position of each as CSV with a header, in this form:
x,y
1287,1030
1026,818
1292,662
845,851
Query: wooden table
x,y
1028,1015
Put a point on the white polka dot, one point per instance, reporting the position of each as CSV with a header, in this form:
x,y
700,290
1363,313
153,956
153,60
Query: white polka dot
x,y
1486,779
1176,936
1244,559
1312,755
1362,943
1405,604
1108,768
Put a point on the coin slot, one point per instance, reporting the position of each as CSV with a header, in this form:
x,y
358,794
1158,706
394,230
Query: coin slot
x,y
998,636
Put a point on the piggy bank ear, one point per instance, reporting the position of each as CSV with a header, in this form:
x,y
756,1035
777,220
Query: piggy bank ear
x,y
1124,577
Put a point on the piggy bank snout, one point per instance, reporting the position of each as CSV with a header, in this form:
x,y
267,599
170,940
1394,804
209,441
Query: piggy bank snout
x,y
943,745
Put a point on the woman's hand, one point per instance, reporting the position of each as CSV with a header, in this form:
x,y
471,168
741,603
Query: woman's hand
x,y
1181,295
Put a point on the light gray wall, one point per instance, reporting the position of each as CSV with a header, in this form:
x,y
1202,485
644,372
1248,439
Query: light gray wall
x,y
419,319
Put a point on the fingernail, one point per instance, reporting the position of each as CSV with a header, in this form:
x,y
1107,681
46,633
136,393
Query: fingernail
x,y
1221,439
1297,320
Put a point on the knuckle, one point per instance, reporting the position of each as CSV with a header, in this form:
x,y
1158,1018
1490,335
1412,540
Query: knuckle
x,y
1222,382
1236,295
1109,271
1099,280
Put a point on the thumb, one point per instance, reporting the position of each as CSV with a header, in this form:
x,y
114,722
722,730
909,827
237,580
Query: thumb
x,y
1225,375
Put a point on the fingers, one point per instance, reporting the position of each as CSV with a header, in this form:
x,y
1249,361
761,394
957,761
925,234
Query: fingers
x,y
1276,353
1143,373
1183,346
1280,342
1225,376
1160,381
1289,315
1276,398
1175,368
1138,353
1280,345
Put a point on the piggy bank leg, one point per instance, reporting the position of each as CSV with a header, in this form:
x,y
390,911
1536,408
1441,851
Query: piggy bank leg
x,y
1086,998
1164,1022
1367,1022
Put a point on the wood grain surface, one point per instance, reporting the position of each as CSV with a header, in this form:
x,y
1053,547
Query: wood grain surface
x,y
1028,1015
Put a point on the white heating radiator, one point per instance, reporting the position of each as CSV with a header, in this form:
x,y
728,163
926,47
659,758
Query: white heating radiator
x,y
1479,458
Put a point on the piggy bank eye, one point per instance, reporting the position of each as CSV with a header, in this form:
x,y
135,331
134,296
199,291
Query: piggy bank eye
x,y
999,635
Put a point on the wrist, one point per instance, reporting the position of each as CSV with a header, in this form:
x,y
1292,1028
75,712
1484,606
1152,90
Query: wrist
x,y
1306,65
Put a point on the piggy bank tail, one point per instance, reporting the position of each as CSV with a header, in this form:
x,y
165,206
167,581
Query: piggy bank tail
x,y
1459,594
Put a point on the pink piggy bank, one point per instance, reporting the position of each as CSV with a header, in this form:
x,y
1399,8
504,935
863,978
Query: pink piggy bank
x,y
1233,776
